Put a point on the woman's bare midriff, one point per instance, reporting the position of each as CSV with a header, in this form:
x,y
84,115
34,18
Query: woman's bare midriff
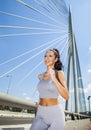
x,y
48,101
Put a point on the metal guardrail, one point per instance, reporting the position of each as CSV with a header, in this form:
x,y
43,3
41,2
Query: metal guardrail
x,y
76,116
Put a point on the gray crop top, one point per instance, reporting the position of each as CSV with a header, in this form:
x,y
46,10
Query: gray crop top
x,y
47,89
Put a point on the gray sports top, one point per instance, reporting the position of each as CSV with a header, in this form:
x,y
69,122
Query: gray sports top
x,y
47,89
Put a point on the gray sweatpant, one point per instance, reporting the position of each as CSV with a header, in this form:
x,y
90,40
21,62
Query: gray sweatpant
x,y
51,117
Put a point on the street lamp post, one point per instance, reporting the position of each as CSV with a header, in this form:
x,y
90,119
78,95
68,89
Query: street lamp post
x,y
10,79
89,103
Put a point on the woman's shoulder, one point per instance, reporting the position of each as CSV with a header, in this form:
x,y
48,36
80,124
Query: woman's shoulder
x,y
60,73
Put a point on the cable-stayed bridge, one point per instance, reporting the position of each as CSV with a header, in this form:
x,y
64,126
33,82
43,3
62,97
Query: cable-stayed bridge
x,y
37,26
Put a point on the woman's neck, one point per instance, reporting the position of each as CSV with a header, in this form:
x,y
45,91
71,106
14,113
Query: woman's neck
x,y
50,68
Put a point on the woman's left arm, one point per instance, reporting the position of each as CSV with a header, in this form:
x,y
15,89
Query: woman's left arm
x,y
60,82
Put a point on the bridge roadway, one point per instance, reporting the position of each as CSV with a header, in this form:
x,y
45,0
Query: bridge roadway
x,y
22,121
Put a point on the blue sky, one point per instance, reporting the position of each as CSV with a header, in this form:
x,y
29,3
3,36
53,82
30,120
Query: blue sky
x,y
12,13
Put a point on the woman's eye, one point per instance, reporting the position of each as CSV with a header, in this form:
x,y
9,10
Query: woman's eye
x,y
50,56
45,56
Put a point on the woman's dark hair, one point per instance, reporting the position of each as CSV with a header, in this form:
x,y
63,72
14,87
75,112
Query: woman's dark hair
x,y
58,65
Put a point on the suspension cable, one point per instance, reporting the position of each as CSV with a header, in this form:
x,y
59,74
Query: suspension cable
x,y
30,28
25,53
29,19
27,34
25,61
38,11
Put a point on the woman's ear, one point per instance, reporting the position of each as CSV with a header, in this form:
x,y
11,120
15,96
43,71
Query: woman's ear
x,y
56,59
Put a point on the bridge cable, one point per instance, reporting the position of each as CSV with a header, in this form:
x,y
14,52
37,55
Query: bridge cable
x,y
27,34
29,19
38,11
24,62
31,28
25,53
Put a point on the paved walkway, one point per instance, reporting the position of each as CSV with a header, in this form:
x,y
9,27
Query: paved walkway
x,y
25,119
88,127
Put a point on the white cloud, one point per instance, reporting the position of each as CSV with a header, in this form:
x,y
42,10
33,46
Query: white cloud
x,y
72,91
88,88
24,94
85,90
27,98
81,90
90,48
89,70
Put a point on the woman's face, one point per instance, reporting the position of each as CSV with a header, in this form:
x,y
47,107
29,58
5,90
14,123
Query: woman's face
x,y
49,59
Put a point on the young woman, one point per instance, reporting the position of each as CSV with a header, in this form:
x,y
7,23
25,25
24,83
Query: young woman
x,y
52,83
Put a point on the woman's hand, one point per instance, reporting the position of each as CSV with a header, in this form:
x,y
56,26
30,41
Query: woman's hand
x,y
40,76
52,74
36,104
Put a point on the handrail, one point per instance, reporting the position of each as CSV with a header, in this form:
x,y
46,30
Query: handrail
x,y
77,116
12,101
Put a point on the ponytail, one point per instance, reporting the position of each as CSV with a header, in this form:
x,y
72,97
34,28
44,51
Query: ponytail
x,y
58,65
